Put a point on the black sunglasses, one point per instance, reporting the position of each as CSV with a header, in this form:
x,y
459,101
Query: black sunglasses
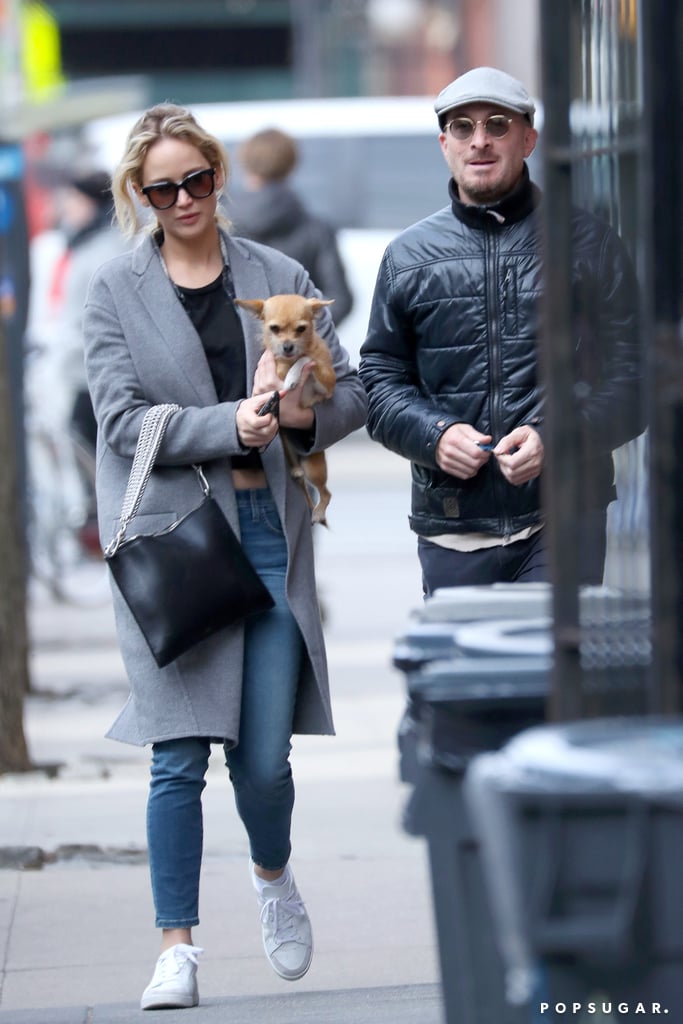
x,y
164,195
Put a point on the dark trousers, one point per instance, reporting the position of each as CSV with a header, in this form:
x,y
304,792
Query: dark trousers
x,y
524,561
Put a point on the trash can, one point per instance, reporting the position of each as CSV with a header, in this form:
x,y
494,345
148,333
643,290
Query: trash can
x,y
436,633
484,602
467,693
580,830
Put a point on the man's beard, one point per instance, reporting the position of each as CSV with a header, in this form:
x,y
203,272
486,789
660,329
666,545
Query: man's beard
x,y
484,195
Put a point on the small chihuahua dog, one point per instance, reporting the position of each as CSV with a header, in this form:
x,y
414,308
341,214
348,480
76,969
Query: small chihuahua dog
x,y
289,333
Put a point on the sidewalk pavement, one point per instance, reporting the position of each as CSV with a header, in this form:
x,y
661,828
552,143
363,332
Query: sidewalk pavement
x,y
405,1004
77,942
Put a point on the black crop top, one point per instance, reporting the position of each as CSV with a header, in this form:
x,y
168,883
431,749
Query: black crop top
x,y
218,325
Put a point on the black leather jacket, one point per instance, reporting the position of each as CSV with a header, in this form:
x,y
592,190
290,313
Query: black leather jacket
x,y
452,338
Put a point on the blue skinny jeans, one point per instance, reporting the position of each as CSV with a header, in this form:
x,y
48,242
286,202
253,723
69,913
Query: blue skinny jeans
x,y
259,765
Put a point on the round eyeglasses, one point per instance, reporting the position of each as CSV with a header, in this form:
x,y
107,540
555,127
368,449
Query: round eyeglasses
x,y
463,128
164,194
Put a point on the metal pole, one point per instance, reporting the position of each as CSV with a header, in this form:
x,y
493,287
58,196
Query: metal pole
x,y
561,473
663,38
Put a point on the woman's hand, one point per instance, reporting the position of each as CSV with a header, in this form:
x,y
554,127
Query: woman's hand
x,y
265,377
292,414
255,431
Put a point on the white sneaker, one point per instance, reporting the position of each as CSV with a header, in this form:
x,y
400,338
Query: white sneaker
x,y
287,937
174,984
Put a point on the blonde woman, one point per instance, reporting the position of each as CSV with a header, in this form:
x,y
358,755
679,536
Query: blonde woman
x,y
161,326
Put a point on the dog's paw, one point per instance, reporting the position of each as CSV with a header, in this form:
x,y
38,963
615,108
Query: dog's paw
x,y
319,512
294,373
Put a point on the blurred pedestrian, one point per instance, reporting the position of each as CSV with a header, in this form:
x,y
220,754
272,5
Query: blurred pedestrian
x,y
450,361
270,211
162,327
63,260
85,211
91,240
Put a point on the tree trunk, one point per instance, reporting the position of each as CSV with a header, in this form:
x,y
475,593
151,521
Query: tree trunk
x,y
14,674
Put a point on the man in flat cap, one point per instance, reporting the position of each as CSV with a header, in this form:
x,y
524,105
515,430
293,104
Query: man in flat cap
x,y
450,358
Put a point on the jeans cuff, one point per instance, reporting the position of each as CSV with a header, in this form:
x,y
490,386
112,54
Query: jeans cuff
x,y
176,922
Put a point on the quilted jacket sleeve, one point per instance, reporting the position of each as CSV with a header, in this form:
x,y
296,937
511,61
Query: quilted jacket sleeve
x,y
400,415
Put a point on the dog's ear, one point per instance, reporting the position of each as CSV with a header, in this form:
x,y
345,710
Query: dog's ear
x,y
254,306
316,305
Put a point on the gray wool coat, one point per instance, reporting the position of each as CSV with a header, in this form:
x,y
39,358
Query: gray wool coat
x,y
140,350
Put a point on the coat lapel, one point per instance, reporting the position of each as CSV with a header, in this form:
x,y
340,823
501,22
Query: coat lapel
x,y
181,341
250,282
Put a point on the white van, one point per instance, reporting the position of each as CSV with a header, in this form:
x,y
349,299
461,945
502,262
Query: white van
x,y
369,165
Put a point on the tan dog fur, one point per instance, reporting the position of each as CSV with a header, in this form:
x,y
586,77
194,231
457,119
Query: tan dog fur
x,y
289,333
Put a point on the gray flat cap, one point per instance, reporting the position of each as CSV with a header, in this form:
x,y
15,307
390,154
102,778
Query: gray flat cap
x,y
485,85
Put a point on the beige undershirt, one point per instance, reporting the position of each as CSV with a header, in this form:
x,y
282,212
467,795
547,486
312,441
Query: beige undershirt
x,y
476,541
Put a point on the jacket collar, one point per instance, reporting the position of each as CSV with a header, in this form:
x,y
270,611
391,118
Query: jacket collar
x,y
515,206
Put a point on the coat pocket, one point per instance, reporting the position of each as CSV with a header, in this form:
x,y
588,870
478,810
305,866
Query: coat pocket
x,y
509,301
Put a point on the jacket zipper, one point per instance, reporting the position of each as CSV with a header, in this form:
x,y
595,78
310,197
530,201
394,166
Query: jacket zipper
x,y
496,302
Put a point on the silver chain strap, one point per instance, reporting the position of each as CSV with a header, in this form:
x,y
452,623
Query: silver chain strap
x,y
151,435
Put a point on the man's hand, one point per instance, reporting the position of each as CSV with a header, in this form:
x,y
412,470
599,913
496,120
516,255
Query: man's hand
x,y
459,453
520,455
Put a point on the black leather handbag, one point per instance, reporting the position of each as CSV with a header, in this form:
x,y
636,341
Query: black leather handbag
x,y
188,580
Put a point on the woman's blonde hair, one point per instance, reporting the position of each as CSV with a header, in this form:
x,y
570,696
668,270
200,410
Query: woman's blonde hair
x,y
165,120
